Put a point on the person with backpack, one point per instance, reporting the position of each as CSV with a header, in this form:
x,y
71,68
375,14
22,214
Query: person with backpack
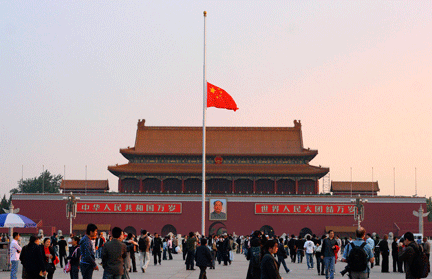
x,y
416,262
144,250
254,257
358,254
282,255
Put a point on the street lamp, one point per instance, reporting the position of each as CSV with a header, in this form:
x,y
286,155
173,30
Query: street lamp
x,y
359,209
71,208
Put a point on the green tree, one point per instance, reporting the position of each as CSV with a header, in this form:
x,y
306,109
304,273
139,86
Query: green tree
x,y
4,203
45,183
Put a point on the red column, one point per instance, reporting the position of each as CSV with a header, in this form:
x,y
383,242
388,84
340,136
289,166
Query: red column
x,y
296,187
254,186
183,186
162,188
232,186
120,186
275,186
141,186
316,187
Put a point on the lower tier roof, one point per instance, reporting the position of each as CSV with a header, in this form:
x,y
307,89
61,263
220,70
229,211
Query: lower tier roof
x,y
219,169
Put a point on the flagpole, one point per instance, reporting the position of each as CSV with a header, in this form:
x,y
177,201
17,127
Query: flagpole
x,y
203,195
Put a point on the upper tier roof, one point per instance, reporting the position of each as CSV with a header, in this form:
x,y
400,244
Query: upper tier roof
x,y
225,141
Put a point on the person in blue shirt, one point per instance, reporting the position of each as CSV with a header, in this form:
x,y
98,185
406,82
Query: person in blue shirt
x,y
360,234
87,262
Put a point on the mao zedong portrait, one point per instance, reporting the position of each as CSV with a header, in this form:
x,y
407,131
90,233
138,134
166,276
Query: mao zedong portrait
x,y
218,210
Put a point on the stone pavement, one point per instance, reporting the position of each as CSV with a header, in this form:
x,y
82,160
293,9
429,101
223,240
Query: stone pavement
x,y
176,269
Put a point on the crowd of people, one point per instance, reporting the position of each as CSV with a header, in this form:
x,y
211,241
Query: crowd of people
x,y
118,252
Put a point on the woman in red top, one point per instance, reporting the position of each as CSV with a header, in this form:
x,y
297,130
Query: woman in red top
x,y
50,258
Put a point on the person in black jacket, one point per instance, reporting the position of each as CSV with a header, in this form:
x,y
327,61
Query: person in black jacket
x,y
269,266
253,256
203,258
33,259
156,246
282,255
225,250
292,248
395,253
384,250
74,256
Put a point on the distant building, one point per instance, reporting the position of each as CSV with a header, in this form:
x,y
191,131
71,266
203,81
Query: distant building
x,y
355,188
84,186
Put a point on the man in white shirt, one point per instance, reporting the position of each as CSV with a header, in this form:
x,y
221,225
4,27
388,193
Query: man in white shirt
x,y
309,247
15,251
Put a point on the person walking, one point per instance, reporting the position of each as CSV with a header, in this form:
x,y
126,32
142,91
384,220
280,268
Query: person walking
x,y
62,250
100,242
254,257
358,254
144,250
113,255
156,248
50,257
269,266
74,256
282,255
15,250
309,250
191,244
328,255
33,259
385,252
169,247
319,261
292,248
87,262
203,258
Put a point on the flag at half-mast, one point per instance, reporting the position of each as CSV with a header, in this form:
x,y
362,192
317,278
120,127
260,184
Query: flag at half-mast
x,y
219,98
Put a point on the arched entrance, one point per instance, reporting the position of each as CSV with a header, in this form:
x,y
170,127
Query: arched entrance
x,y
168,228
304,232
268,230
217,228
130,229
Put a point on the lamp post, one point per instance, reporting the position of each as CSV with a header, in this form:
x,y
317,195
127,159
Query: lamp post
x,y
359,210
71,208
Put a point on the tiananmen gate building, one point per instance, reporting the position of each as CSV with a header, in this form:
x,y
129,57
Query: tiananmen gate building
x,y
256,178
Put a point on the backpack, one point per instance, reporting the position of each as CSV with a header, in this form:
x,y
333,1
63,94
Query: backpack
x,y
420,266
357,258
255,259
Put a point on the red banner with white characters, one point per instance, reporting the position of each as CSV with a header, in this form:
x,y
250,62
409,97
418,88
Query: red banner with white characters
x,y
307,209
129,207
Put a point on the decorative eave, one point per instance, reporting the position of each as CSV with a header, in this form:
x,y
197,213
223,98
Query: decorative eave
x,y
130,153
218,169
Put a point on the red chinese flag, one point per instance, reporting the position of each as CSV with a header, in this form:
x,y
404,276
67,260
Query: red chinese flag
x,y
219,98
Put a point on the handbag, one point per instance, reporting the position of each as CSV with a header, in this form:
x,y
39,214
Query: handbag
x,y
50,268
68,266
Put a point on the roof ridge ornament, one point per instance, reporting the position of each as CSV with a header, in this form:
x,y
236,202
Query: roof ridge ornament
x,y
141,124
297,124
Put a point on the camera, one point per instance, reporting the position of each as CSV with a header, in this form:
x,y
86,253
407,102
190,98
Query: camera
x,y
345,270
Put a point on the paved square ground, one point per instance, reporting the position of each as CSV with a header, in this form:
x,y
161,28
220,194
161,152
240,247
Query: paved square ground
x,y
177,269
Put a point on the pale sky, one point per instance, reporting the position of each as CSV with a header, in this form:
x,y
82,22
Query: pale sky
x,y
75,77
